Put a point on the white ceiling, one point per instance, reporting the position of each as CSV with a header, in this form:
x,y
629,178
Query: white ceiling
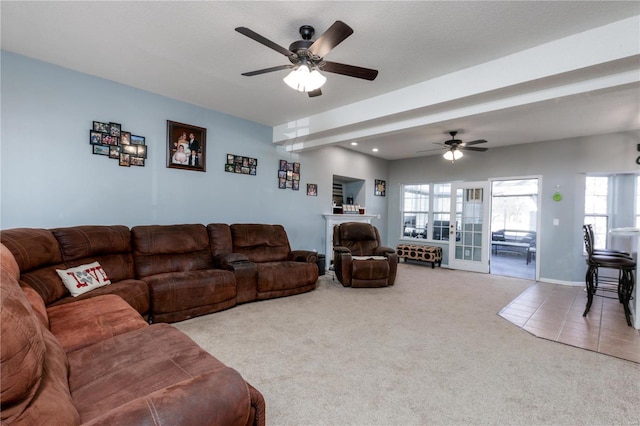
x,y
189,51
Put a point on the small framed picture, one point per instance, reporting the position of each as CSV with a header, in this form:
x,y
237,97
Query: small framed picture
x,y
312,189
99,126
137,140
95,138
283,164
230,158
125,138
115,129
124,159
136,161
186,146
282,183
130,149
380,188
114,152
229,168
101,149
142,151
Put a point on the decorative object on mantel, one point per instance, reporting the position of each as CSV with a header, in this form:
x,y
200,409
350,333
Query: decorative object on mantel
x,y
240,164
186,147
312,189
289,175
380,188
351,209
110,140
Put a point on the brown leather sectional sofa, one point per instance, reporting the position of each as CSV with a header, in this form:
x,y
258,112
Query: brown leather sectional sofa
x,y
94,358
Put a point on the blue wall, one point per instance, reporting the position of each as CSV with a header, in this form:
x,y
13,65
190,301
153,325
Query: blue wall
x,y
50,177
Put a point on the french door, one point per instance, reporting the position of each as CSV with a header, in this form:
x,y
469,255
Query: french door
x,y
469,227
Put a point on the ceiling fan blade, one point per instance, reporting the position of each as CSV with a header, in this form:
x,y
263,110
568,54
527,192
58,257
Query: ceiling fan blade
x,y
473,148
474,142
330,39
266,70
350,70
315,93
260,39
429,150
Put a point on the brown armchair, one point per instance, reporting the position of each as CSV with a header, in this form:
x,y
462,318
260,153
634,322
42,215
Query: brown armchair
x,y
359,259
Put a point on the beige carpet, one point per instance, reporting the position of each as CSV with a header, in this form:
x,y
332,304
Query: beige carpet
x,y
430,350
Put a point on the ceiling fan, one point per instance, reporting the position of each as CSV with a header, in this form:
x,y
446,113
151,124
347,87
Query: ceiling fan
x,y
307,58
455,146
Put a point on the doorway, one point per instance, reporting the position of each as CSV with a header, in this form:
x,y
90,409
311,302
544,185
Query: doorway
x,y
514,227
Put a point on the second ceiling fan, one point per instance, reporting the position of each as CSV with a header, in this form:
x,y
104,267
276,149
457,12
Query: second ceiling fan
x,y
455,146
307,58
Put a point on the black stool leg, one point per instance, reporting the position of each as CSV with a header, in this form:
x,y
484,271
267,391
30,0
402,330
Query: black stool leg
x,y
589,281
625,291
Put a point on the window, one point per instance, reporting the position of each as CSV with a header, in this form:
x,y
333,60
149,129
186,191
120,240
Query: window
x,y
424,204
415,211
595,208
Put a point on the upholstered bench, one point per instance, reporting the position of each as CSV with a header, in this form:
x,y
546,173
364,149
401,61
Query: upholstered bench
x,y
431,254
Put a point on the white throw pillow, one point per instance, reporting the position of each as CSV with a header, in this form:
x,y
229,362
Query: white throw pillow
x,y
83,278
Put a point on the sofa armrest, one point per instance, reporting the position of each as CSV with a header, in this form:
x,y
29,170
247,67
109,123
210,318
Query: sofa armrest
x,y
219,397
341,249
225,261
303,256
381,251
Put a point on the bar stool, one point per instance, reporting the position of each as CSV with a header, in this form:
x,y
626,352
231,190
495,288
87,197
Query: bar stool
x,y
611,259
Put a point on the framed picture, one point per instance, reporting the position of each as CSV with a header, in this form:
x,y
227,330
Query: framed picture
x,y
136,140
186,147
114,152
136,161
101,127
312,189
130,149
101,149
380,188
289,175
142,151
115,129
125,138
240,164
124,159
95,138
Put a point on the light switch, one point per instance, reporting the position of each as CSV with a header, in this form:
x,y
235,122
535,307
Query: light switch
x,y
556,222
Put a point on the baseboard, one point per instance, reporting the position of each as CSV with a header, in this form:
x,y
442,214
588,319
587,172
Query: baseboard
x,y
561,282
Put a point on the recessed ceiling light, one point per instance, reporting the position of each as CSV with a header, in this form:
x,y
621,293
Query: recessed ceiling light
x,y
375,150
354,143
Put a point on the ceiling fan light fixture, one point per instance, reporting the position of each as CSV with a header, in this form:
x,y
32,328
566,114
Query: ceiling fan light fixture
x,y
304,80
453,154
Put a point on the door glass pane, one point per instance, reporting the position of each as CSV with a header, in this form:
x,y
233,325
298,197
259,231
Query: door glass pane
x,y
469,212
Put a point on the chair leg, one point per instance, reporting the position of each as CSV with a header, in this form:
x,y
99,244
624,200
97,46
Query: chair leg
x,y
589,280
625,291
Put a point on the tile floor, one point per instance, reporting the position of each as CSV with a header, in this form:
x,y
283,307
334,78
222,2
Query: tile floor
x,y
554,312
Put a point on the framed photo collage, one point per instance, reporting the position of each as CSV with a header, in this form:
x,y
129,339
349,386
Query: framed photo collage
x,y
110,140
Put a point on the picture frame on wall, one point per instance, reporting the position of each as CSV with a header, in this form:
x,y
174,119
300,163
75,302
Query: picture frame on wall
x,y
101,149
95,138
380,188
312,189
186,146
101,127
115,129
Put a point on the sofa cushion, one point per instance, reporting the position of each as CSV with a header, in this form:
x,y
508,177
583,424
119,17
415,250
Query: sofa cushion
x,y
37,305
177,296
156,373
38,255
260,243
108,245
85,322
277,276
159,249
83,278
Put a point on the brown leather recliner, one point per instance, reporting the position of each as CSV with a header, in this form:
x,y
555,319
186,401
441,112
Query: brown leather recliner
x,y
359,258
